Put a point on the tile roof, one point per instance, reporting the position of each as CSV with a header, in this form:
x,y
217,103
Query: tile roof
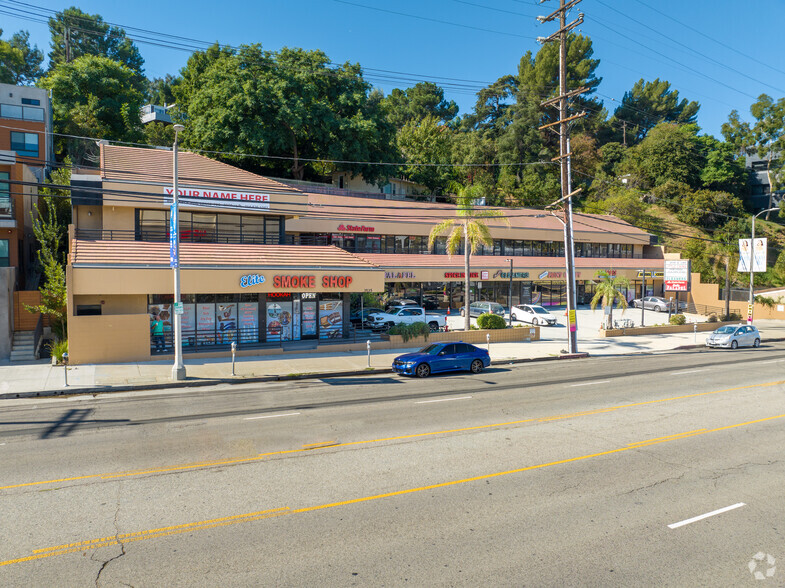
x,y
387,261
358,210
86,253
137,164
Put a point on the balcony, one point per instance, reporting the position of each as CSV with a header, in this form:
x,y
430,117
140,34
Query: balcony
x,y
7,218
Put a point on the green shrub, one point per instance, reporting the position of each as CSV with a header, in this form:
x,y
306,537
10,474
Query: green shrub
x,y
731,317
410,331
491,321
712,318
57,349
678,319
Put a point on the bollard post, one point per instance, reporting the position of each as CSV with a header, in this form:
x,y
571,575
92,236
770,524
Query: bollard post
x,y
695,332
65,368
488,341
368,346
234,350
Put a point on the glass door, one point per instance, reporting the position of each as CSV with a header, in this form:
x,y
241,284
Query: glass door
x,y
309,319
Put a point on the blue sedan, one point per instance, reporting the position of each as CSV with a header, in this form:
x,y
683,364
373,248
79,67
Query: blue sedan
x,y
442,357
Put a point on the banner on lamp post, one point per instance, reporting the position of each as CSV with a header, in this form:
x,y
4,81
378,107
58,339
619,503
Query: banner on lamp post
x,y
758,255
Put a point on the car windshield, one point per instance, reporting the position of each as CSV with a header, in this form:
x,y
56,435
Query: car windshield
x,y
431,349
496,307
726,330
539,310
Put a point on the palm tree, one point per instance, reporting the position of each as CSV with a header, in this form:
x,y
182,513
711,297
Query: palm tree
x,y
608,290
467,227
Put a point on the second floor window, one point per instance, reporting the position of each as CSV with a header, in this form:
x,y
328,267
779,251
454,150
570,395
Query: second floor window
x,y
5,194
25,144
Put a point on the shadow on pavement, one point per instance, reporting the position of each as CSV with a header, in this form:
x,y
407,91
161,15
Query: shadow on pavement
x,y
356,382
66,425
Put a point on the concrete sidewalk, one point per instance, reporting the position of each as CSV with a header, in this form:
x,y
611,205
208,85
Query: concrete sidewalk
x,y
44,379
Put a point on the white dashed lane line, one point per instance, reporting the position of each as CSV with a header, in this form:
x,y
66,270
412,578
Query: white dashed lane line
x,y
271,416
706,516
589,383
442,400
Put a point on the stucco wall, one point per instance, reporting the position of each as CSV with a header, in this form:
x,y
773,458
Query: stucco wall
x,y
108,338
709,295
6,311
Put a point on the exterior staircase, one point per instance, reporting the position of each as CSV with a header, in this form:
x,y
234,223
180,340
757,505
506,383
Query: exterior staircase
x,y
23,347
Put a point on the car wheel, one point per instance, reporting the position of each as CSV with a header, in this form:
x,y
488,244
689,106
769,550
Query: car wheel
x,y
734,344
756,343
423,370
476,366
659,309
434,326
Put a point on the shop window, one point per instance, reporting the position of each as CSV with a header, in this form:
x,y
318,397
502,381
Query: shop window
x,y
228,228
440,246
4,253
5,194
88,310
272,230
401,244
252,228
25,144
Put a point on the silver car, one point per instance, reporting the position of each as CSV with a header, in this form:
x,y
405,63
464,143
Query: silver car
x,y
733,336
657,303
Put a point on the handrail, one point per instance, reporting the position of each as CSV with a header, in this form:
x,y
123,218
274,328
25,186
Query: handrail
x,y
38,335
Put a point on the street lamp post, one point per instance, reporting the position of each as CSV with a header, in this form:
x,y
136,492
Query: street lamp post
x,y
178,369
509,292
752,261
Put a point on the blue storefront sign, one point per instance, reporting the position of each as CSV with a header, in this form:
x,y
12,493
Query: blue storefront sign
x,y
173,228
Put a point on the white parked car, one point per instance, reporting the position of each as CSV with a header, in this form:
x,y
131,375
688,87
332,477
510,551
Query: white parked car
x,y
532,313
734,336
405,314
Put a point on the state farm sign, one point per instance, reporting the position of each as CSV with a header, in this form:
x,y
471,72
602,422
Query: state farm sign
x,y
218,197
355,229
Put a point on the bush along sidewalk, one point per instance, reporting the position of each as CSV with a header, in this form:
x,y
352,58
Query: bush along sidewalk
x,y
491,321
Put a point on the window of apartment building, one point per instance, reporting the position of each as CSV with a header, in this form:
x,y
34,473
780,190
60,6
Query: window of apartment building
x,y
31,101
5,194
22,112
25,144
209,227
5,253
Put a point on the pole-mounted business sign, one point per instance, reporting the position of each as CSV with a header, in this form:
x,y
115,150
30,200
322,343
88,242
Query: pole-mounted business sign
x,y
758,255
677,275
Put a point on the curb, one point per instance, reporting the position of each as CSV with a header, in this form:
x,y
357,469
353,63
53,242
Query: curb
x,y
94,391
694,346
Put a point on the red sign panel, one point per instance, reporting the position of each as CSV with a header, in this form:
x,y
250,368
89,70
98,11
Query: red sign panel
x,y
677,286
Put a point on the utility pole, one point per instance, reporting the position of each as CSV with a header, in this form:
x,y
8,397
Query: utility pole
x,y
564,153
624,127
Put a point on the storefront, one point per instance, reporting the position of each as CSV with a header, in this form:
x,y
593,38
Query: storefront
x,y
443,287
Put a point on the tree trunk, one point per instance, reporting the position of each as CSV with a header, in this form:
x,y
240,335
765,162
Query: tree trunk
x,y
609,324
298,171
727,287
467,283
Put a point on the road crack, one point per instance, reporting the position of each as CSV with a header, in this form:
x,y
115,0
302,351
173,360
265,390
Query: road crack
x,y
117,539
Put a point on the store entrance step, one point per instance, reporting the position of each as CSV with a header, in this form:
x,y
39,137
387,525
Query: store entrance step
x,y
299,345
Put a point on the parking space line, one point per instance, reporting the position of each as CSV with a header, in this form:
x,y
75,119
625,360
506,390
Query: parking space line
x,y
271,416
589,383
443,400
705,516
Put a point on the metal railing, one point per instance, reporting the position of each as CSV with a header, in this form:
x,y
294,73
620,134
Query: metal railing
x,y
6,207
38,335
186,236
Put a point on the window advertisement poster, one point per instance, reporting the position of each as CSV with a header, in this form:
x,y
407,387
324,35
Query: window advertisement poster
x,y
279,321
758,255
249,322
296,320
331,319
188,322
309,318
205,323
226,322
164,311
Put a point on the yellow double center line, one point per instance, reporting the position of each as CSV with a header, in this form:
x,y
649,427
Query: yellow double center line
x,y
265,514
312,447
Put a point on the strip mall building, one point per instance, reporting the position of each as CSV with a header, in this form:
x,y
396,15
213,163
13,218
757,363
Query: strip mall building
x,y
263,263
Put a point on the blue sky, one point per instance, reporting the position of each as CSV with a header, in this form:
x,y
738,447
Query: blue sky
x,y
493,35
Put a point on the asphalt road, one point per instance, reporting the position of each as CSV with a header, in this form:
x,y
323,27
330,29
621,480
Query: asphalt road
x,y
543,474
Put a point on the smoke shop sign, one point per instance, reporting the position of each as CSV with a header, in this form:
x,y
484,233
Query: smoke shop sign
x,y
299,281
251,280
218,197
